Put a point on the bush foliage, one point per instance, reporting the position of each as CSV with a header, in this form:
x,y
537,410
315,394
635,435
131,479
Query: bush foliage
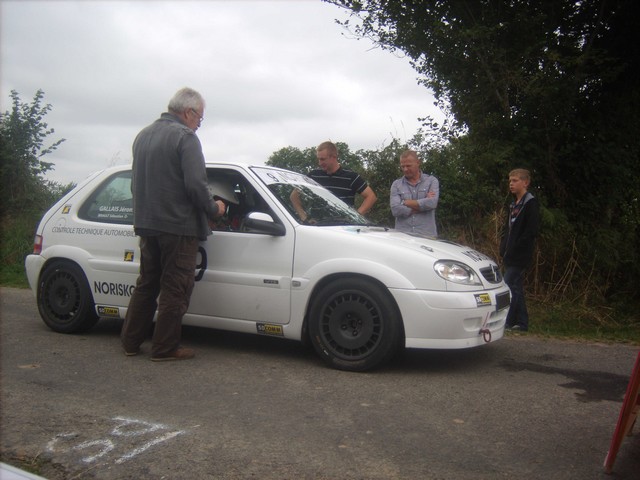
x,y
26,194
547,85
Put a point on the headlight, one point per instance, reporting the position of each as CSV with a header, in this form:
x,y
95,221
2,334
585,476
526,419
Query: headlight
x,y
456,272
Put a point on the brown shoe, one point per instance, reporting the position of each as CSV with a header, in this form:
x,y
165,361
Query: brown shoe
x,y
177,354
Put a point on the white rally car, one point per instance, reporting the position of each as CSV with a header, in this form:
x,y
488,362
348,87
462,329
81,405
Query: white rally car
x,y
357,292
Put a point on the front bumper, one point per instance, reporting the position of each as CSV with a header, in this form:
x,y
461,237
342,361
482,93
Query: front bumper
x,y
450,320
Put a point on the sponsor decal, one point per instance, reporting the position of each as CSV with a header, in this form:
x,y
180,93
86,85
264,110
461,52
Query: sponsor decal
x,y
270,177
63,229
482,299
268,329
96,232
111,288
128,255
118,233
108,311
476,256
66,209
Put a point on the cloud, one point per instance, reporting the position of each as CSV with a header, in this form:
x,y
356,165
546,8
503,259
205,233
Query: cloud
x,y
273,73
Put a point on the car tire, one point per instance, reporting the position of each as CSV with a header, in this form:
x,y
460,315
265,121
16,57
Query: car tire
x,y
64,299
354,324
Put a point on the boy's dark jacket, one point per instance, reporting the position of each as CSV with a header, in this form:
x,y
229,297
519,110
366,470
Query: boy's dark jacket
x,y
518,242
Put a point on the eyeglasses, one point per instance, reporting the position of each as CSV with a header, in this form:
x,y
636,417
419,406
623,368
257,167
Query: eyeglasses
x,y
198,114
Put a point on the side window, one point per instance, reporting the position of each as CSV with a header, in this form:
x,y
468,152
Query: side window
x,y
112,201
241,198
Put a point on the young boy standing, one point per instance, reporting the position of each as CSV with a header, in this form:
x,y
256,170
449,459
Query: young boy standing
x,y
517,245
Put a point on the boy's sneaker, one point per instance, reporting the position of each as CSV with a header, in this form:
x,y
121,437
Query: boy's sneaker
x,y
517,328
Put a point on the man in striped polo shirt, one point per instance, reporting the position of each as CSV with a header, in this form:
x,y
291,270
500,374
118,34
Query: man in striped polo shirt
x,y
343,183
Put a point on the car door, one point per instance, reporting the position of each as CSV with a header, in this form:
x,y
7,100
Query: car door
x,y
243,275
103,227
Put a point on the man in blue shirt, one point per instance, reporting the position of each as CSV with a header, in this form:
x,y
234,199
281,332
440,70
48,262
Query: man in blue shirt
x,y
414,198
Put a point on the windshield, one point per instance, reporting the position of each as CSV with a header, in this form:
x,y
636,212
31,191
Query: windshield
x,y
307,201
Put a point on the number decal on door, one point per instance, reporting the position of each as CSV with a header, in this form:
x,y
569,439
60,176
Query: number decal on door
x,y
202,266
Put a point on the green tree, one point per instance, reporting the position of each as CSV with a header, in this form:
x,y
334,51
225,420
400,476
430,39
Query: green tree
x,y
292,158
22,146
549,85
25,193
383,167
303,161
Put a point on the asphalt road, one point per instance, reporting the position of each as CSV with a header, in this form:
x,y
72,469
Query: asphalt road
x,y
252,407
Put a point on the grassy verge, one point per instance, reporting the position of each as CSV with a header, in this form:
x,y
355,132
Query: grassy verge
x,y
16,242
13,276
609,324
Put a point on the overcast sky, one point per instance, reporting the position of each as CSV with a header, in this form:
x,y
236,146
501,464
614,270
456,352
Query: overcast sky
x,y
273,73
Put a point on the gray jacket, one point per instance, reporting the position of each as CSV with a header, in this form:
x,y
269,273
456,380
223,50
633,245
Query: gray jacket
x,y
169,182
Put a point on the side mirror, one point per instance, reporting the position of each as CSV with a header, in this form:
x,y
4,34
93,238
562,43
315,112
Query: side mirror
x,y
259,222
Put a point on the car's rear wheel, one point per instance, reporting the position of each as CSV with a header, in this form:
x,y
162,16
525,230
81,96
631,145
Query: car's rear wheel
x,y
64,299
354,324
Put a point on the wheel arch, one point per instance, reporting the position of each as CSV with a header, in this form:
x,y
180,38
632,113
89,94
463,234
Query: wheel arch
x,y
66,255
84,315
326,280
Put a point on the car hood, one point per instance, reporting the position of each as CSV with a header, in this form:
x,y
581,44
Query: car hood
x,y
412,256
435,248
432,246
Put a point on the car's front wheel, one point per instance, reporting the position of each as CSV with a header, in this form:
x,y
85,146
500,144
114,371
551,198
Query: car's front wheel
x,y
354,324
64,299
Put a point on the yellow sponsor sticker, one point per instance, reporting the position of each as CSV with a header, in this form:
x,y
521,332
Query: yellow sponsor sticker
x,y
108,311
268,329
483,299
